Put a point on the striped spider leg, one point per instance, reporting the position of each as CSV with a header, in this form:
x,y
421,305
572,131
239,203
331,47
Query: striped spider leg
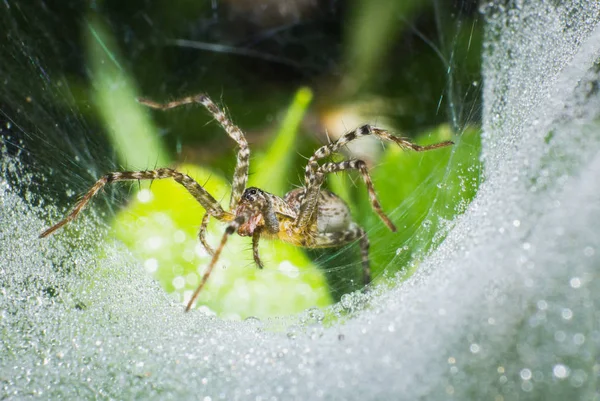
x,y
240,176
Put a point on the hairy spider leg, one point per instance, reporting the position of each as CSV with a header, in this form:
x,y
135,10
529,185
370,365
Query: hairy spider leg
x,y
198,192
313,179
202,234
255,239
271,225
231,228
361,166
364,130
327,240
364,253
240,176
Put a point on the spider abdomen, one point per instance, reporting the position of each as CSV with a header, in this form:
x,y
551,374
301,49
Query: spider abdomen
x,y
333,213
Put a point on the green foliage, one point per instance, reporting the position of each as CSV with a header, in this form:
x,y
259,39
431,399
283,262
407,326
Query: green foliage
x,y
127,123
371,26
271,165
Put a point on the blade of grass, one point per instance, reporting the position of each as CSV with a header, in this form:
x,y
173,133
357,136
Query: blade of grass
x,y
272,167
128,125
372,27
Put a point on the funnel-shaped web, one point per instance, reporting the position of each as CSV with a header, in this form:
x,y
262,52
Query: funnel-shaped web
x,y
506,308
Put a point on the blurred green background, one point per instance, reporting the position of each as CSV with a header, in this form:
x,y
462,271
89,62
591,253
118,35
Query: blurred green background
x,y
293,75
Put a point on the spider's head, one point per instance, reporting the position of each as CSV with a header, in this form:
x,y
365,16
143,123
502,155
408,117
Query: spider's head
x,y
253,196
253,202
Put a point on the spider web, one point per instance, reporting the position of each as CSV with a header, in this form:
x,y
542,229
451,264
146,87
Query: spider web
x,y
78,152
502,306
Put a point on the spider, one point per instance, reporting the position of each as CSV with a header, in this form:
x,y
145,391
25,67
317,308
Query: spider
x,y
309,216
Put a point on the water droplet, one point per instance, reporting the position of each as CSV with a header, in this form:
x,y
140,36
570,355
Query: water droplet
x,y
292,332
346,301
560,371
178,282
578,338
253,321
286,267
578,378
179,236
567,314
145,196
527,386
401,249
151,265
525,374
316,314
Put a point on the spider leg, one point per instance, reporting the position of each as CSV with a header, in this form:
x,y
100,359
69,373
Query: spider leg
x,y
198,192
309,203
309,199
271,225
361,166
313,176
364,130
338,238
364,252
255,239
202,234
240,176
231,228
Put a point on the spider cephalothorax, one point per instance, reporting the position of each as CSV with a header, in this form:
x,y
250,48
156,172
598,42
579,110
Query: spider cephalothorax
x,y
309,216
258,212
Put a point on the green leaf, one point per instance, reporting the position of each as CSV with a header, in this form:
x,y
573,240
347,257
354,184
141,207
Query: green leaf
x,y
272,167
127,123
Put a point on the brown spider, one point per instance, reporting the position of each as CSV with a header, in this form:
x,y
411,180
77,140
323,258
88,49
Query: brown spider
x,y
309,216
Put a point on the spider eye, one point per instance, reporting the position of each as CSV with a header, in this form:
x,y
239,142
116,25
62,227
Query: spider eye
x,y
250,193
